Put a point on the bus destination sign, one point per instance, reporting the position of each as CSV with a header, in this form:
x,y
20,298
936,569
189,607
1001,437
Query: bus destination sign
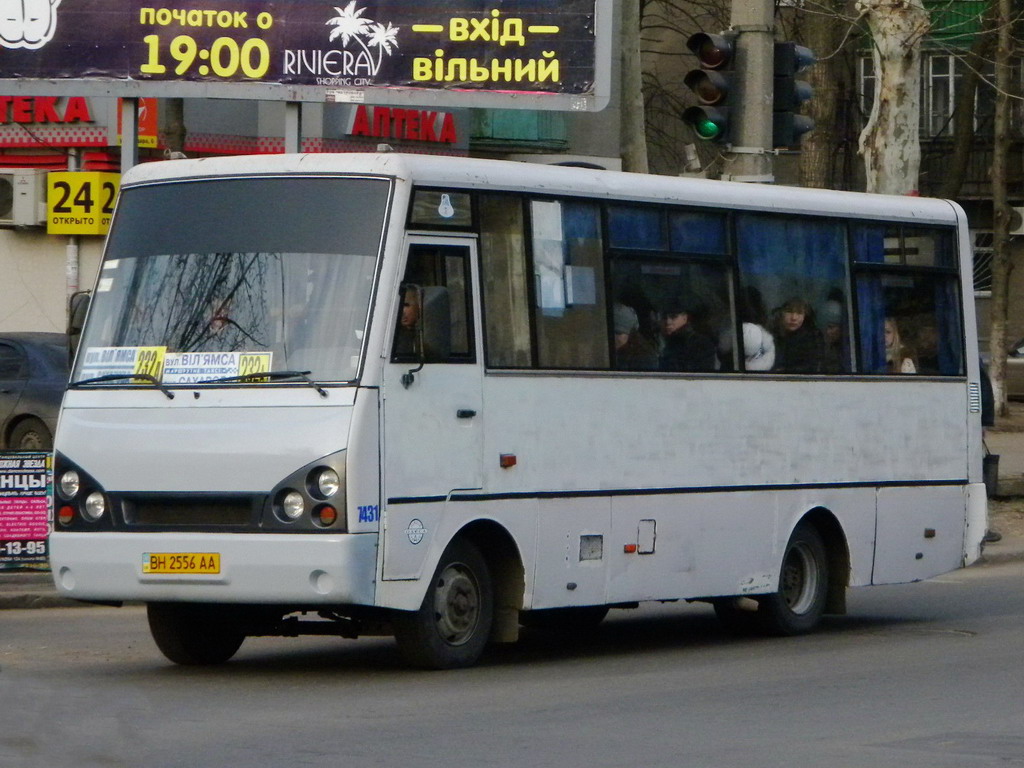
x,y
447,52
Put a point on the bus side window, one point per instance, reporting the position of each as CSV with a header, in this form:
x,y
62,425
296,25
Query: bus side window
x,y
908,300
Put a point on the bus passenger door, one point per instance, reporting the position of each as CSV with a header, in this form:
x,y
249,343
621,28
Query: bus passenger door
x,y
433,433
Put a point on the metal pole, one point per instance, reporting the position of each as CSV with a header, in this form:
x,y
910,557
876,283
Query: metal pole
x,y
293,126
71,261
750,159
129,133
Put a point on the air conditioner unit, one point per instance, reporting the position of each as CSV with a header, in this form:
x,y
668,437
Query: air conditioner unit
x,y
22,197
1017,220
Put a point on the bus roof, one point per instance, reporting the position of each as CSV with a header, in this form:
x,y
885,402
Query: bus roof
x,y
554,180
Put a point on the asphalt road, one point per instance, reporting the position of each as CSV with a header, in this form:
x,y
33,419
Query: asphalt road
x,y
925,675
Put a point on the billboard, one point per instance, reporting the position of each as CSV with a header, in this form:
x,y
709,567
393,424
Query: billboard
x,y
25,484
502,53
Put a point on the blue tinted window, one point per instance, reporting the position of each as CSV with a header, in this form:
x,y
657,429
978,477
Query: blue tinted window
x,y
696,232
636,228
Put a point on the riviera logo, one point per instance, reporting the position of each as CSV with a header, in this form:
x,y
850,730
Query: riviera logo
x,y
27,23
350,26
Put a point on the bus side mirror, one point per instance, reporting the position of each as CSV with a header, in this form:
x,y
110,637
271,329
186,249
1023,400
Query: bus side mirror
x,y
78,308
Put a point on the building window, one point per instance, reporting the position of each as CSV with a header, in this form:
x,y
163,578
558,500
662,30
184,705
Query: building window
x,y
983,251
940,74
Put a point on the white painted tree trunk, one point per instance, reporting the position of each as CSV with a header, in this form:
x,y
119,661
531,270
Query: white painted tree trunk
x,y
890,142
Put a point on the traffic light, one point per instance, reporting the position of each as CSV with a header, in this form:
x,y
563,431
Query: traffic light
x,y
711,85
788,125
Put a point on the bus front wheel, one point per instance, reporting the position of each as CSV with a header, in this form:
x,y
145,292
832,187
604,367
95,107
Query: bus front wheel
x,y
453,624
803,586
194,634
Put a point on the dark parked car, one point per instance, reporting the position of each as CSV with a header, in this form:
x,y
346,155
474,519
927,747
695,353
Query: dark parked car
x,y
33,376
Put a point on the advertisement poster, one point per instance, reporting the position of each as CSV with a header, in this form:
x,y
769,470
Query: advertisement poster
x,y
25,483
535,46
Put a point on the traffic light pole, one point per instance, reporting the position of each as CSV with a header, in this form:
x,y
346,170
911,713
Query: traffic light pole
x,y
750,156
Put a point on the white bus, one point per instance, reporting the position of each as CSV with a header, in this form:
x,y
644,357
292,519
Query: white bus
x,y
443,398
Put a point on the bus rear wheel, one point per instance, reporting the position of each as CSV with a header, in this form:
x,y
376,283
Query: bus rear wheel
x,y
803,586
453,624
194,635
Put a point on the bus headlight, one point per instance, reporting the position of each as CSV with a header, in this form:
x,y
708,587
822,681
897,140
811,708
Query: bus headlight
x,y
310,498
327,482
293,505
69,485
95,506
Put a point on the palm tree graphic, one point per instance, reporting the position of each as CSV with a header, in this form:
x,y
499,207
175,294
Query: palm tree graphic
x,y
350,25
383,38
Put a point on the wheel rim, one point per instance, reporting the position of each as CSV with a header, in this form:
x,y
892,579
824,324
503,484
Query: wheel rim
x,y
799,582
456,604
31,441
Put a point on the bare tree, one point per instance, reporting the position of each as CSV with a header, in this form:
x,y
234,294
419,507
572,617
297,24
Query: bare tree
x,y
1001,263
829,29
890,142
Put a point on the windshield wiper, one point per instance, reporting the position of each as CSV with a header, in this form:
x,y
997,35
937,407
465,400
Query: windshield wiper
x,y
257,375
121,377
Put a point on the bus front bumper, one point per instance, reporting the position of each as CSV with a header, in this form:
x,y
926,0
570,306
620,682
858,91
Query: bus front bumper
x,y
250,568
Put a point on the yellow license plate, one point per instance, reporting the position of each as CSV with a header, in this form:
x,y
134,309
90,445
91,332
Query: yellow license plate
x,y
181,562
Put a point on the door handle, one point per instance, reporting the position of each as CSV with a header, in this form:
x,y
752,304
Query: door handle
x,y
465,413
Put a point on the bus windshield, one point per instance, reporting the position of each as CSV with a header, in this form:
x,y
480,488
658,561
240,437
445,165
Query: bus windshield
x,y
224,279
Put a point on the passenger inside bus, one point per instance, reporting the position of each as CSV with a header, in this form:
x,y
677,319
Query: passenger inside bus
x,y
633,352
798,342
758,342
406,336
836,355
758,348
899,358
685,348
424,322
926,343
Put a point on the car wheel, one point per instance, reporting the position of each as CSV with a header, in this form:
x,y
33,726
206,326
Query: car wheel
x,y
31,435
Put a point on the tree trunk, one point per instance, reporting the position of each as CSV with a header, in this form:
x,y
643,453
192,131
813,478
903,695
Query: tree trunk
x,y
824,35
890,142
1001,264
633,140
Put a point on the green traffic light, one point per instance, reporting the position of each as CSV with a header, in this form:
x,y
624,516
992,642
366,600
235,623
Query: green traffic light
x,y
707,129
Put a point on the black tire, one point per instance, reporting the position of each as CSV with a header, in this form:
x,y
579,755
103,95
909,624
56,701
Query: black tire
x,y
739,615
564,620
194,634
453,624
803,586
31,435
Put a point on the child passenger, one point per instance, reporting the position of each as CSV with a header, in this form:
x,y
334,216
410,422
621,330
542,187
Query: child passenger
x,y
798,343
898,357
